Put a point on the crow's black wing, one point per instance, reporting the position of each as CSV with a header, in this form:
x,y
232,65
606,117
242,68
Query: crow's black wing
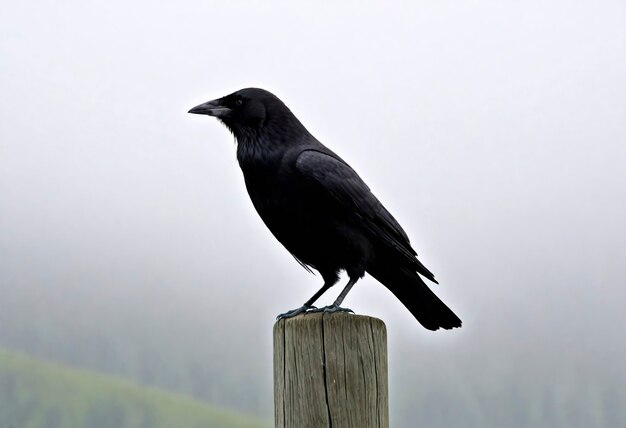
x,y
330,173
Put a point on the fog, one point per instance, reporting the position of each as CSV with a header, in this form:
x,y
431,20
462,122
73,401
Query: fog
x,y
493,131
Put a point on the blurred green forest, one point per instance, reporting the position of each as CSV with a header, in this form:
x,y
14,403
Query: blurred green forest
x,y
526,380
36,394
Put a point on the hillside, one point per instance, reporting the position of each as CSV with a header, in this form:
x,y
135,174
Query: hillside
x,y
35,394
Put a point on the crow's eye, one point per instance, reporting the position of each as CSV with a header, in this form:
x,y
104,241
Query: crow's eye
x,y
239,102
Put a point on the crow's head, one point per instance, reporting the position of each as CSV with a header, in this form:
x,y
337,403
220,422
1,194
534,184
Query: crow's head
x,y
248,112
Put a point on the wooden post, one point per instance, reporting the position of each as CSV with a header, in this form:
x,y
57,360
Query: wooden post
x,y
330,370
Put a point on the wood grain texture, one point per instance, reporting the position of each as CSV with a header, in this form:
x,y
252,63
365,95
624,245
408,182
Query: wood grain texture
x,y
330,370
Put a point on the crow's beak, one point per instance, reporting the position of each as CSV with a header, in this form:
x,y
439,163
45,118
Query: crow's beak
x,y
211,108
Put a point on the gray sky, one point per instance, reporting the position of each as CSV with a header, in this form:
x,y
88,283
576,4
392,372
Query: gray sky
x,y
493,131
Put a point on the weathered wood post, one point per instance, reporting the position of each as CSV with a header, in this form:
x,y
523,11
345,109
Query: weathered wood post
x,y
330,370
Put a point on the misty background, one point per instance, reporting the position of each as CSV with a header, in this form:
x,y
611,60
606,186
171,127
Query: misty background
x,y
494,132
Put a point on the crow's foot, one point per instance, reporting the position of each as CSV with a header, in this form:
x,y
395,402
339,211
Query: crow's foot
x,y
331,309
292,313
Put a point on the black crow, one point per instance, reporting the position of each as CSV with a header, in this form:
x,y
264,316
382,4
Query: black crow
x,y
317,206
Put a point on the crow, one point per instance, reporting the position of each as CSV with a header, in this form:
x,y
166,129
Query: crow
x,y
317,206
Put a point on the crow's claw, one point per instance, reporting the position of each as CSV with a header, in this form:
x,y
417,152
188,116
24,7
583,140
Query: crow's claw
x,y
292,313
331,309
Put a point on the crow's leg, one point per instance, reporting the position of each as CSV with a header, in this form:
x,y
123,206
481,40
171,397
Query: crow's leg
x,y
345,291
309,303
335,306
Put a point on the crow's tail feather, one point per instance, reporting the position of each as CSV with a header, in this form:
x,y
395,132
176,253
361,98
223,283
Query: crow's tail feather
x,y
409,287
